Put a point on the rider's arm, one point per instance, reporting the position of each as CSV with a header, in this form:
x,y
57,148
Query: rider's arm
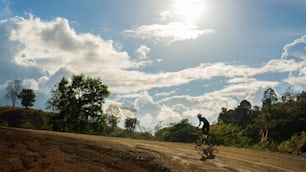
x,y
199,123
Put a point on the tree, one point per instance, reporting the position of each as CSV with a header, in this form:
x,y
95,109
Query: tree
x,y
242,115
130,124
269,98
27,97
79,104
13,89
113,113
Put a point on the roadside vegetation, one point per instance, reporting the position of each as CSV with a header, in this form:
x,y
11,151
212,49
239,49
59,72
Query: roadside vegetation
x,y
76,106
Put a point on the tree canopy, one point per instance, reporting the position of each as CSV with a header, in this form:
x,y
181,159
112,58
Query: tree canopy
x,y
274,122
27,97
79,105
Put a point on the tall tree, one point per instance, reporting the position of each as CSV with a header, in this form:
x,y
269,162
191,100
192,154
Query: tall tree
x,y
265,119
269,98
27,97
113,113
13,89
244,112
79,104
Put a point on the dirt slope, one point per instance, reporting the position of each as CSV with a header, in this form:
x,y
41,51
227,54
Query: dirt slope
x,y
30,150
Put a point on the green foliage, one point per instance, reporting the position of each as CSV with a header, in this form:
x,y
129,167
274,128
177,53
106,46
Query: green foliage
x,y
230,135
120,132
79,105
27,97
240,116
130,124
294,144
28,125
25,118
273,126
180,132
135,135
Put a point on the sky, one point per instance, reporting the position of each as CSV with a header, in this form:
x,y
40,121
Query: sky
x,y
167,59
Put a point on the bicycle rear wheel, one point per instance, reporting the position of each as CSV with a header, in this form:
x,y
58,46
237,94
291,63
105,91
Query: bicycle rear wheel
x,y
211,141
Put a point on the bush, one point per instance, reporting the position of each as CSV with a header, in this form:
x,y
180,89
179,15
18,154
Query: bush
x,y
230,135
294,145
180,132
25,118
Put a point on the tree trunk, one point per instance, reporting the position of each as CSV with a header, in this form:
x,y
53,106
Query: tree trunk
x,y
264,136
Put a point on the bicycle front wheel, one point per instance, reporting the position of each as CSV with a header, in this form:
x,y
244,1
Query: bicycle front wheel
x,y
198,140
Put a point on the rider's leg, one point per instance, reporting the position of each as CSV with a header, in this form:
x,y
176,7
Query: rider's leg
x,y
206,125
203,132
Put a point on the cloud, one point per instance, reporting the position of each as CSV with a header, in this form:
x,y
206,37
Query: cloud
x,y
295,51
167,33
167,114
289,49
54,44
163,94
146,121
142,52
143,59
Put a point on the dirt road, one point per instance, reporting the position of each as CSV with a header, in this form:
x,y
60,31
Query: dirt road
x,y
30,150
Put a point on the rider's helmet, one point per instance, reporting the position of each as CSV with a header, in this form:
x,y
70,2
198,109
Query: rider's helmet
x,y
199,115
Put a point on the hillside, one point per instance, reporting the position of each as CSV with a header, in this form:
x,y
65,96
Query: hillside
x,y
33,150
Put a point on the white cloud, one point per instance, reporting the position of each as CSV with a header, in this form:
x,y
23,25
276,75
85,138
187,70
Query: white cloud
x,y
143,59
52,45
167,114
165,93
143,51
296,52
30,84
147,120
144,99
168,33
290,46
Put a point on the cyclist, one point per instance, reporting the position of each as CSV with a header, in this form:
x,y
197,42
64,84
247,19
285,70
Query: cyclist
x,y
205,128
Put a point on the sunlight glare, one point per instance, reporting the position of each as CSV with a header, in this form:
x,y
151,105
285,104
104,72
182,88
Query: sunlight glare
x,y
189,10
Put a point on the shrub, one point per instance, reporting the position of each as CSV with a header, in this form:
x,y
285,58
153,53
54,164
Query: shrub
x,y
294,144
230,135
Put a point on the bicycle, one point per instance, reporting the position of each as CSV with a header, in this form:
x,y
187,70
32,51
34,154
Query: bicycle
x,y
209,139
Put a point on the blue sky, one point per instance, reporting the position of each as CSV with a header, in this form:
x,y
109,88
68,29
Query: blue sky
x,y
168,59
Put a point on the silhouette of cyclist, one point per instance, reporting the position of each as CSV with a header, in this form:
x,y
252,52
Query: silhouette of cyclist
x,y
205,128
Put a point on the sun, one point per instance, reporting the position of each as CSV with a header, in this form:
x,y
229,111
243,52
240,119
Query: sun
x,y
189,10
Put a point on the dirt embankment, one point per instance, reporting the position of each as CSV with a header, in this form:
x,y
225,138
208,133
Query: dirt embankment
x,y
44,151
30,150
